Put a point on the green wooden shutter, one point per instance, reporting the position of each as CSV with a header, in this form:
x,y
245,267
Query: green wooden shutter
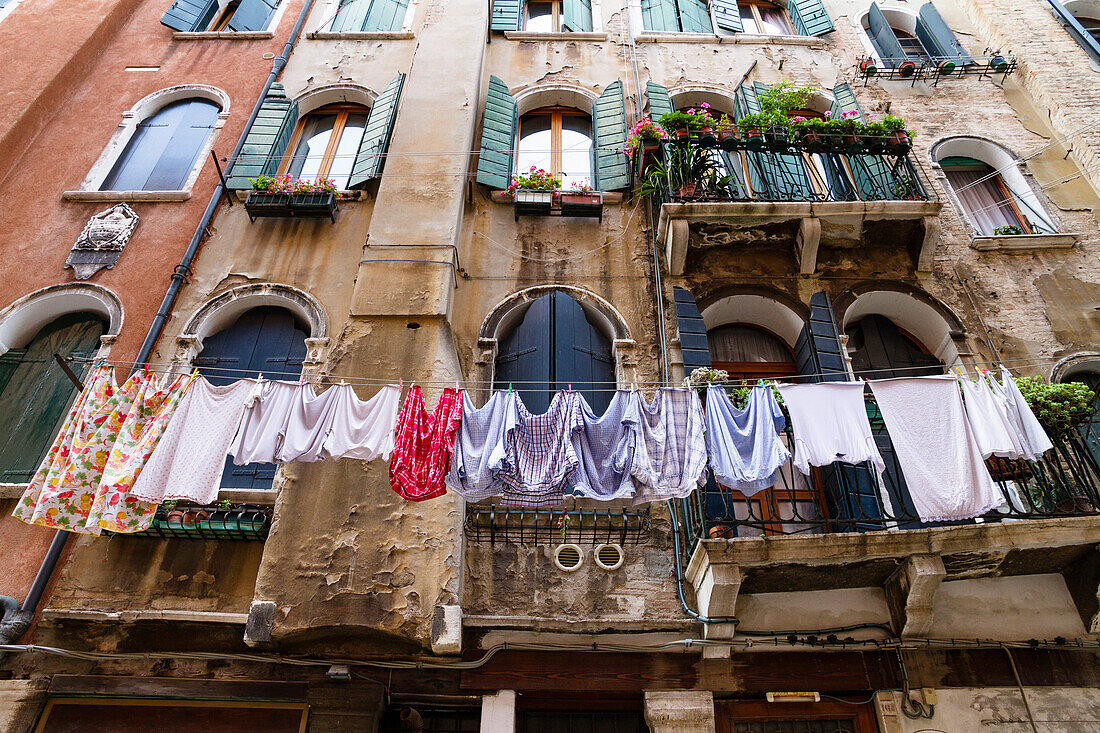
x,y
810,17
252,15
376,136
577,15
728,15
660,15
883,36
506,15
267,139
498,134
350,16
660,104
189,15
609,136
937,37
694,16
385,15
873,178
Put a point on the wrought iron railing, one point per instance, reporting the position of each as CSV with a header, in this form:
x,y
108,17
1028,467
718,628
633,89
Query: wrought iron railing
x,y
493,523
245,522
780,164
935,70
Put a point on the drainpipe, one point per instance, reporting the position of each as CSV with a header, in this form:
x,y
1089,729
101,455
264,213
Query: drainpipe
x,y
15,623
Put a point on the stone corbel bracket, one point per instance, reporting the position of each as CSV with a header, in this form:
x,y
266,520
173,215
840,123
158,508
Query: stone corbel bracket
x,y
911,594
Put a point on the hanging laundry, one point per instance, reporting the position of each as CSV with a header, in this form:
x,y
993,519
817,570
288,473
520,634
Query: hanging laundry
x,y
188,461
539,454
988,417
114,508
746,453
936,448
670,458
479,453
307,425
830,424
424,443
1033,440
260,435
605,449
362,429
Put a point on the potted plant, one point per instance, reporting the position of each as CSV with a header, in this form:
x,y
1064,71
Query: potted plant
x,y
906,69
867,67
581,200
533,192
221,519
899,140
728,135
874,137
648,137
1061,409
752,130
172,514
847,128
810,134
289,196
1009,230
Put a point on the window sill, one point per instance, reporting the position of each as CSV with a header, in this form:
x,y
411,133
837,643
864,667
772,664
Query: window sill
x,y
222,35
1024,242
126,196
94,615
364,36
499,196
739,38
564,36
12,491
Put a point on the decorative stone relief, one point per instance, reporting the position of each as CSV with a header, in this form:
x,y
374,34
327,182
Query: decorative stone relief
x,y
100,244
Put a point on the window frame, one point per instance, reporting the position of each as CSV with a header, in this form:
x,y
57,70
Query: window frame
x,y
557,152
1003,191
557,11
730,712
757,18
343,110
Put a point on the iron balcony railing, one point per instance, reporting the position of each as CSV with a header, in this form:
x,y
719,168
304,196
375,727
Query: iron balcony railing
x,y
843,498
730,165
493,523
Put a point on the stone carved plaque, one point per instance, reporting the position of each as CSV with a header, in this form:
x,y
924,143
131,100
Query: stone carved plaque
x,y
100,244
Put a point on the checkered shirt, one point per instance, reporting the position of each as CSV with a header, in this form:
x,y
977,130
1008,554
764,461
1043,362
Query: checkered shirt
x,y
540,456
423,445
670,460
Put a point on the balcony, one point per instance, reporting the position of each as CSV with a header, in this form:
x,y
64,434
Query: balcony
x,y
819,191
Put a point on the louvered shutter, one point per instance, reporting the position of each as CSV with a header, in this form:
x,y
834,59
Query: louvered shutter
x,y
660,103
385,15
267,139
252,15
609,128
873,177
694,16
577,15
189,15
778,176
376,135
524,357
660,16
728,15
694,345
506,15
883,36
937,37
498,134
582,354
350,16
810,17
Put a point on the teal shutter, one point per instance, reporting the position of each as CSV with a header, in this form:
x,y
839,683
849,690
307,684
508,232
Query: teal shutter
x,y
660,104
810,17
609,128
252,15
660,15
376,136
694,16
937,37
883,36
385,15
779,176
189,15
498,134
266,140
577,15
350,16
749,104
728,15
506,15
871,173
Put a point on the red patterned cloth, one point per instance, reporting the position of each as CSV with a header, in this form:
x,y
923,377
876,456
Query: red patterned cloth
x,y
424,443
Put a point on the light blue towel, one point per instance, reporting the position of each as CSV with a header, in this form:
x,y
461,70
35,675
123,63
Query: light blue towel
x,y
606,450
479,448
744,446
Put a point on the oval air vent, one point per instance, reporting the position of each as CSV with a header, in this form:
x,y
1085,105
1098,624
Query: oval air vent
x,y
568,557
609,557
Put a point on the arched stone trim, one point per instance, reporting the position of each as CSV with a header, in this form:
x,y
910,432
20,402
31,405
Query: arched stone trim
x,y
693,95
764,307
553,95
145,108
223,310
316,97
1083,361
935,325
24,318
508,313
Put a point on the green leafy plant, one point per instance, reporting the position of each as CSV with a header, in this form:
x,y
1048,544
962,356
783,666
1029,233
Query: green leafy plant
x,y
758,121
874,128
780,98
169,505
644,129
223,504
291,185
1061,407
1010,229
692,119
895,124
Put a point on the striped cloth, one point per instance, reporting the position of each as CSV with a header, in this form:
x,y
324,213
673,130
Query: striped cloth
x,y
540,458
670,458
423,445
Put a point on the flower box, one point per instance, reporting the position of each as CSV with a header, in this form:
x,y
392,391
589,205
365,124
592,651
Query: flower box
x,y
270,204
582,204
533,202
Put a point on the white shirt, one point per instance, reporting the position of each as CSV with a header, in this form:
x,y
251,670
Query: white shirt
x,y
830,424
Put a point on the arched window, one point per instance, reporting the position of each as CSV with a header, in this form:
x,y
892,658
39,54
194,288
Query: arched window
x,y
747,351
558,16
558,140
268,340
880,350
35,391
988,201
164,148
325,143
556,345
903,38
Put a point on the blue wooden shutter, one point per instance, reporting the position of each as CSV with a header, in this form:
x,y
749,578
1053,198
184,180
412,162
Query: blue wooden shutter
x,y
252,15
164,147
36,393
577,15
582,354
267,139
728,15
498,135
660,104
883,36
524,357
873,177
609,135
694,344
810,17
937,37
506,15
189,15
818,352
376,136
660,16
385,15
694,16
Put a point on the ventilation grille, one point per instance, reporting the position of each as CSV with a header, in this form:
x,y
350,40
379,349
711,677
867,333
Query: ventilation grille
x,y
568,557
609,557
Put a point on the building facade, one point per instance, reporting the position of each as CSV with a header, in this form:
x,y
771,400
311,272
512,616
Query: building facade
x,y
821,604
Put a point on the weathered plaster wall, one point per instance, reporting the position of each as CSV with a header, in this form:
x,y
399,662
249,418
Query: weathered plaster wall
x,y
1055,709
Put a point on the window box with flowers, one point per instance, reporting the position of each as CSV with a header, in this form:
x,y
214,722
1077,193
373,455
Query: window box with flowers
x,y
533,192
644,143
286,196
581,201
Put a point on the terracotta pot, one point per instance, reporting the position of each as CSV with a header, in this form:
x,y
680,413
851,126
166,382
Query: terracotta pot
x,y
728,138
906,69
190,516
688,190
718,532
175,515
945,67
707,138
898,142
867,67
754,139
682,136
813,141
875,143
